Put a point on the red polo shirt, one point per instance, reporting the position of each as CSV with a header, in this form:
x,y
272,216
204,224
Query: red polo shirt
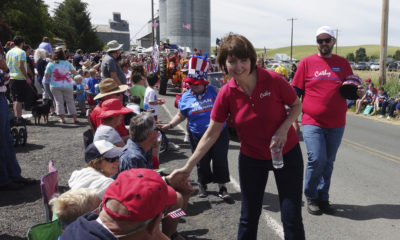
x,y
96,121
321,79
257,117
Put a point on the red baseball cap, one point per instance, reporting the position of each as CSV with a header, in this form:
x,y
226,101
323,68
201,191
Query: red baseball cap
x,y
367,80
142,191
113,107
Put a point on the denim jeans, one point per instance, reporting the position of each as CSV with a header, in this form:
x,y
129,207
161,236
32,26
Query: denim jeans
x,y
393,106
322,145
9,167
253,175
218,153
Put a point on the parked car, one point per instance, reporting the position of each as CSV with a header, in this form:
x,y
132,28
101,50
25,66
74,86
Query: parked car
x,y
394,66
361,66
374,66
352,64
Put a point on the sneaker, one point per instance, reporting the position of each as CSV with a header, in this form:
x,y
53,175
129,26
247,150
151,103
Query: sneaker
x,y
203,191
223,193
388,118
381,116
326,207
313,207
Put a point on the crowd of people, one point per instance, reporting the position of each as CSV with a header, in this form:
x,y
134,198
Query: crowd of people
x,y
118,194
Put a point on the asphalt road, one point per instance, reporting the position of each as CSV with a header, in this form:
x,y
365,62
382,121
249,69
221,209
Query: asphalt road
x,y
365,184
365,188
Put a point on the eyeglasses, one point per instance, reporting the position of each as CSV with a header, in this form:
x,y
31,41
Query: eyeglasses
x,y
112,160
326,40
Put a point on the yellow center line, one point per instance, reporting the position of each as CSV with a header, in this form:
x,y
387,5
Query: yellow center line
x,y
373,151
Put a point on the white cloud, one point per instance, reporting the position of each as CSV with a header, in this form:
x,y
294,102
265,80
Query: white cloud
x,y
265,22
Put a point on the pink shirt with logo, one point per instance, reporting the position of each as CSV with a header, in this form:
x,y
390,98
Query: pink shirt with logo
x,y
321,78
257,117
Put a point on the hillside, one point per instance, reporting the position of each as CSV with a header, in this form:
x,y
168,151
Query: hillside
x,y
302,51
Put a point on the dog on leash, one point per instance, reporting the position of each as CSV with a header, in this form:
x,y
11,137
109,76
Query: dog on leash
x,y
42,110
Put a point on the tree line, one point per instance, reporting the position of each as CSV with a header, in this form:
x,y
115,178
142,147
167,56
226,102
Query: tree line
x,y
361,56
71,23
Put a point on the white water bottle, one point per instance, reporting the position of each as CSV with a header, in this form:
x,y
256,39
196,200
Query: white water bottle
x,y
276,154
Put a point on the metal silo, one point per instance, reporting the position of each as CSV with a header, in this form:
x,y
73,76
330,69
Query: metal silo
x,y
163,19
201,25
180,12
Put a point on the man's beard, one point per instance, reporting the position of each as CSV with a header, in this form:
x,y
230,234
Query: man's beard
x,y
325,50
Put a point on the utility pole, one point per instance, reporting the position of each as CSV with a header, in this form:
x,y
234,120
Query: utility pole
x,y
337,34
384,35
291,39
152,22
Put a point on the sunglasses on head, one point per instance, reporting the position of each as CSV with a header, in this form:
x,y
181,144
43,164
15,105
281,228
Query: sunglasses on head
x,y
327,40
112,160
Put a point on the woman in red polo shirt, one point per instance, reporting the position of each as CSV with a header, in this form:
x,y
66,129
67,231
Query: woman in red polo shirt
x,y
255,100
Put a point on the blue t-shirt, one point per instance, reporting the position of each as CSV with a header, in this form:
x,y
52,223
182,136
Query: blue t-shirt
x,y
60,74
198,111
80,96
91,83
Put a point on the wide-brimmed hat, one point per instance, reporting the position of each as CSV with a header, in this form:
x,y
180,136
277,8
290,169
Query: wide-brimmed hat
x,y
108,86
102,148
198,70
348,90
114,46
142,191
113,107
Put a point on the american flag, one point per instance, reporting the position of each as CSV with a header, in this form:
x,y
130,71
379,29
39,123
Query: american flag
x,y
187,26
176,214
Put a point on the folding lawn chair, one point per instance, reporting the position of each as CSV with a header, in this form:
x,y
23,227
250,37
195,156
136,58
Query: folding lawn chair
x,y
45,231
48,187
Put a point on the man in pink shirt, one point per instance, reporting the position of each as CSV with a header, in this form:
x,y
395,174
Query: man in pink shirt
x,y
318,79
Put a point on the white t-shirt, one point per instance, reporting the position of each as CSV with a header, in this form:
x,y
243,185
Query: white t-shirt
x,y
151,96
89,178
107,133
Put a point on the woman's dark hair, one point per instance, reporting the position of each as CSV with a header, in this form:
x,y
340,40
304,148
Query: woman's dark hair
x,y
58,55
135,99
26,47
235,45
152,79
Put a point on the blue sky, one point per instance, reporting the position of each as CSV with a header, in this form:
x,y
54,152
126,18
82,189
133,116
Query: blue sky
x,y
265,22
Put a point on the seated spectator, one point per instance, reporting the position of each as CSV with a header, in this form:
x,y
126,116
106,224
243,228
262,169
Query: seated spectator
x,y
111,116
367,99
137,154
380,100
73,204
109,89
132,208
394,104
102,160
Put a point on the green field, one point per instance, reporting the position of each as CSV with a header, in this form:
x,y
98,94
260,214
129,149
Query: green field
x,y
302,51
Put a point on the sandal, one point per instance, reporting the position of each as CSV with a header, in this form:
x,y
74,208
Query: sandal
x,y
61,121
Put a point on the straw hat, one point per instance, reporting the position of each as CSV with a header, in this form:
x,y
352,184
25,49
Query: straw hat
x,y
108,86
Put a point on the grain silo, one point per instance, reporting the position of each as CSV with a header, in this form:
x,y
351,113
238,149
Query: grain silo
x,y
186,23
